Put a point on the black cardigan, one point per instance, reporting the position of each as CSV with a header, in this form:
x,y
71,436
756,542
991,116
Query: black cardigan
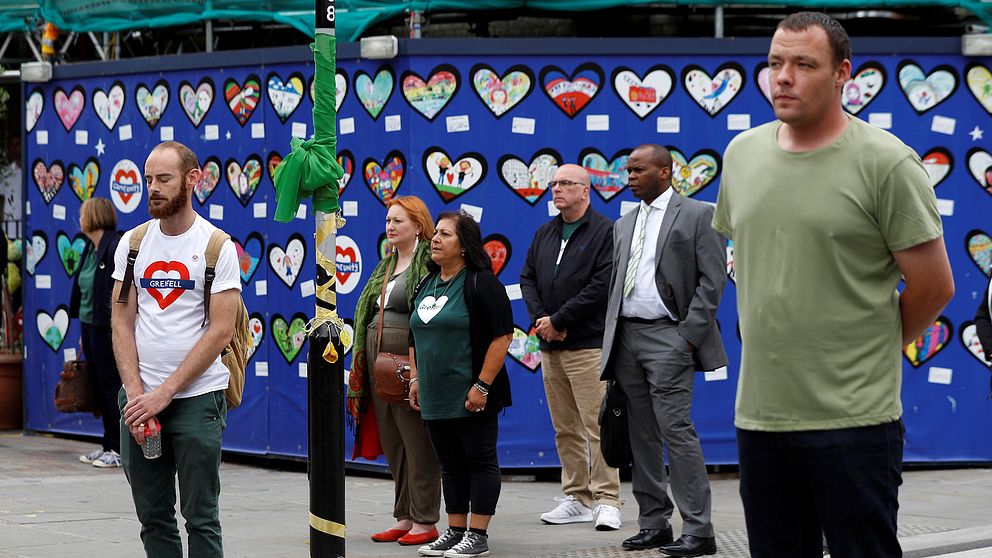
x,y
103,283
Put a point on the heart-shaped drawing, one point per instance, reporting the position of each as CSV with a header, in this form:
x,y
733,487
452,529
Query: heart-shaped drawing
x,y
48,178
249,254
730,261
152,102
969,338
347,162
500,94
384,246
572,93
979,246
244,180
285,96
430,307
385,179
429,97
33,109
933,340
525,348
164,295
70,251
925,91
529,180
272,164
256,329
863,87
196,102
643,94
109,104
608,177
289,336
499,249
713,94
286,264
84,180
340,89
692,175
69,107
980,167
374,94
763,78
53,327
36,250
348,340
453,178
939,162
347,264
242,98
979,80
209,178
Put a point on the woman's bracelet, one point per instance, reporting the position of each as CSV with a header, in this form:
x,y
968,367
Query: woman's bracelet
x,y
482,383
413,380
481,389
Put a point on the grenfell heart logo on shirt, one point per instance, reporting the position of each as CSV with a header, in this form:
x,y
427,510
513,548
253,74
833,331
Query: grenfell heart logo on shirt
x,y
525,348
979,246
69,107
863,87
196,102
70,251
499,250
374,93
969,338
430,307
925,91
152,102
931,342
429,97
109,104
48,178
713,93
36,250
689,176
453,178
571,93
53,327
979,80
500,94
171,282
289,336
608,177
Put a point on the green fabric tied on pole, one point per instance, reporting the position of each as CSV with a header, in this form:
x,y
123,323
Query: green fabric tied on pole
x,y
311,170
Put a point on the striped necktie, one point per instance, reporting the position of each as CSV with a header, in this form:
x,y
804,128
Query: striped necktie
x,y
635,258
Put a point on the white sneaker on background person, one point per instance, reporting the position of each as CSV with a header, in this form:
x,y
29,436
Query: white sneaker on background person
x,y
569,510
91,456
108,459
607,517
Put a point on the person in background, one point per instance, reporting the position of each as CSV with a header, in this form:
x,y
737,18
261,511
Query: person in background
x,y
90,303
402,435
461,328
983,328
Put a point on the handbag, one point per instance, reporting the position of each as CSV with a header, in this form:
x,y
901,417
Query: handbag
x,y
614,438
75,391
390,371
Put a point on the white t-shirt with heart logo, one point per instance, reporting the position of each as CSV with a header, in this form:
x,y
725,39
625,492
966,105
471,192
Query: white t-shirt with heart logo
x,y
168,278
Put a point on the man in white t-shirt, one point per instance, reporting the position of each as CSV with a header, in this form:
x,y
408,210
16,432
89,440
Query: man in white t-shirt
x,y
169,360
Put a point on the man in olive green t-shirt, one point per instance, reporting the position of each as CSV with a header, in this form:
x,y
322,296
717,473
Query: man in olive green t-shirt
x,y
826,213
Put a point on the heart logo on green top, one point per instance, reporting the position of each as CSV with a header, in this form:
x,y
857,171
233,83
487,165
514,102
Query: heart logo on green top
x,y
289,336
70,251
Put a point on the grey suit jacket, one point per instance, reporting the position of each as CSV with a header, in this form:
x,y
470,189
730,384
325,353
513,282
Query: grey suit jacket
x,y
691,271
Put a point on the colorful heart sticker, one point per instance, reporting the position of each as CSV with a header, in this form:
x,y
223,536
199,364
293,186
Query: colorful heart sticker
x,y
272,163
347,162
608,177
938,162
384,179
244,179
763,79
933,340
571,93
196,102
249,254
499,249
242,98
109,104
979,246
209,178
429,97
36,250
70,251
863,87
33,108
969,338
525,348
340,89
500,94
48,178
69,106
83,180
925,91
256,329
529,180
453,178
643,94
713,93
152,102
285,96
979,80
692,175
374,93
53,327
980,167
287,263
289,336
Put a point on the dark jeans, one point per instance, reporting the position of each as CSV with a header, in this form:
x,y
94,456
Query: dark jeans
x,y
466,449
98,351
843,483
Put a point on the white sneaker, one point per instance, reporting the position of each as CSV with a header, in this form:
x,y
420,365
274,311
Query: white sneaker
x,y
607,517
91,456
569,510
108,459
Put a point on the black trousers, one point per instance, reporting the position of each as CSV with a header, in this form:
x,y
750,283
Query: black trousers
x,y
466,450
98,351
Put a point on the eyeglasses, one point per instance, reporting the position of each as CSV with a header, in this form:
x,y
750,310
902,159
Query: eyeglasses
x,y
564,183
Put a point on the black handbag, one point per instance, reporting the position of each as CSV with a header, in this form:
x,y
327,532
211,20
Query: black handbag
x,y
614,438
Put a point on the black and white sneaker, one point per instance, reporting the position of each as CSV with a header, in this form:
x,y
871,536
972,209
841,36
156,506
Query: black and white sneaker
x,y
448,539
472,545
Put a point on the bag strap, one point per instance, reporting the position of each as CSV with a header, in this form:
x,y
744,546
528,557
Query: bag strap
x,y
382,305
135,243
217,240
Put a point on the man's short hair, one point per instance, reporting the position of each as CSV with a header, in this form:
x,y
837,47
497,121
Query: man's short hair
x,y
187,159
660,155
836,35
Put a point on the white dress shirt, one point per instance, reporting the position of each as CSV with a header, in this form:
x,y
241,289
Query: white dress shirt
x,y
644,301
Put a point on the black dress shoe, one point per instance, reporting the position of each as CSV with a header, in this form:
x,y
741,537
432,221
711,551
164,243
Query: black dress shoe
x,y
648,538
689,546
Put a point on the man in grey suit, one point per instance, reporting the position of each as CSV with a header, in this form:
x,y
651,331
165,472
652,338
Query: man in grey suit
x,y
669,270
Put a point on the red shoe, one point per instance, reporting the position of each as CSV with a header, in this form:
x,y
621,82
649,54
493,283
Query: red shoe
x,y
390,535
419,538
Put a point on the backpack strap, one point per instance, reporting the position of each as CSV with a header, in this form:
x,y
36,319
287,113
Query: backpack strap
x,y
135,243
217,240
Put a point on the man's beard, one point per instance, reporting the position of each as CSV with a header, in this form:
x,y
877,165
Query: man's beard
x,y
172,207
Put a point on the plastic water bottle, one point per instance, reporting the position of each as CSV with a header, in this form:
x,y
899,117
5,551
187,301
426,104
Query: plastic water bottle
x,y
153,441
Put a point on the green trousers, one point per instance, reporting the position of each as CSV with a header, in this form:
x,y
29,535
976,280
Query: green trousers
x,y
191,438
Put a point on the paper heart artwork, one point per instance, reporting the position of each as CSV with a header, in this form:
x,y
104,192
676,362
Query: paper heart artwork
x,y
48,178
256,329
289,336
384,246
689,176
571,93
70,251
272,163
608,177
762,78
35,251
83,180
340,89
731,274
287,263
429,97
53,327
285,96
643,94
109,104
713,93
938,162
979,245
209,178
979,80
931,342
34,106
499,249
529,180
347,162
249,255
925,91
450,178
980,167
152,102
384,179
196,103
242,98
525,348
969,338
244,179
69,106
374,93
863,87
347,341
500,94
